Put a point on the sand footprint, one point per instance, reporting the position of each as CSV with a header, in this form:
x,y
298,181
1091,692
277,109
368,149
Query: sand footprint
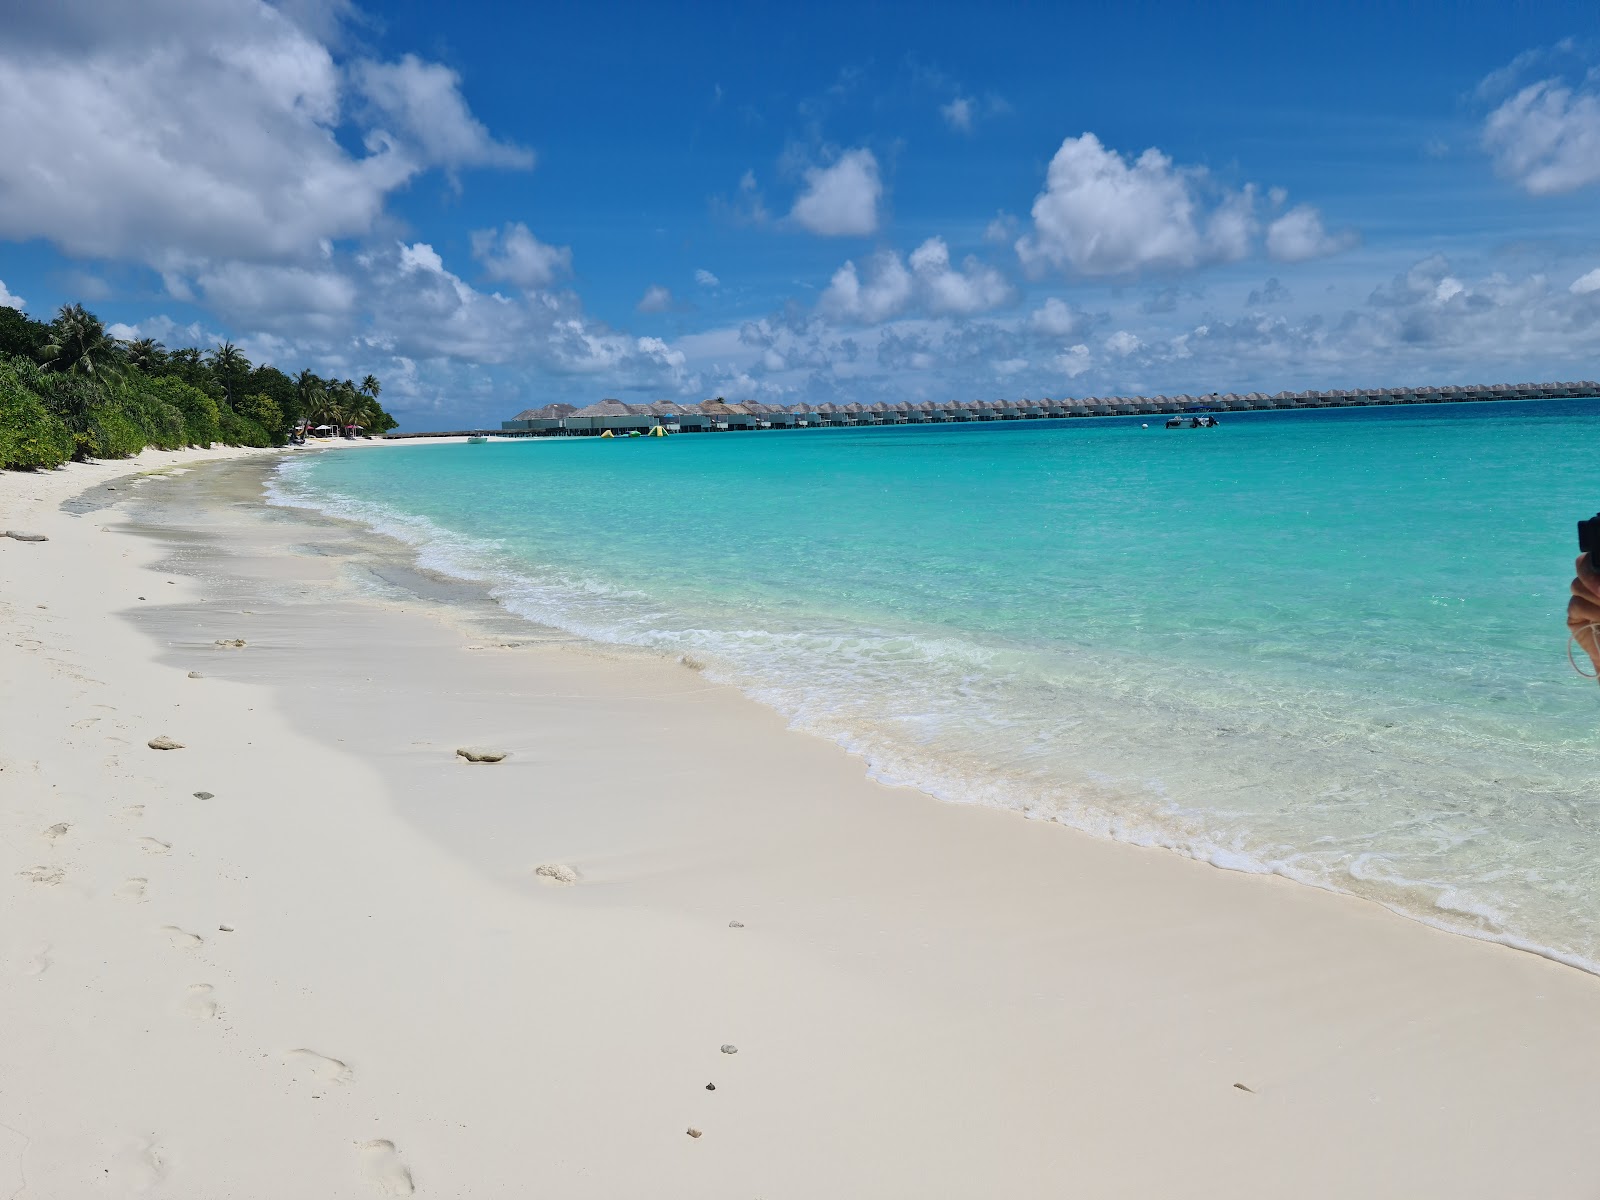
x,y
58,830
309,1062
131,812
152,845
45,876
381,1164
137,1167
556,873
182,938
200,1003
38,963
133,890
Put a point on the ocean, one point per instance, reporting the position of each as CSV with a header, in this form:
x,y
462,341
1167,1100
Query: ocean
x,y
1327,645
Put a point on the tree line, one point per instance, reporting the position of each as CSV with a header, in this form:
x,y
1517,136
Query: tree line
x,y
68,390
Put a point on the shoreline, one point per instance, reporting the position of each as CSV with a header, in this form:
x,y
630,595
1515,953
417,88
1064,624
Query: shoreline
x,y
927,998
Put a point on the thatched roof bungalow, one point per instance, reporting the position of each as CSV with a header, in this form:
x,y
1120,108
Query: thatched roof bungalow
x,y
543,419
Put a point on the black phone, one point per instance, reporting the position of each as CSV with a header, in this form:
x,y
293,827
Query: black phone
x,y
1589,539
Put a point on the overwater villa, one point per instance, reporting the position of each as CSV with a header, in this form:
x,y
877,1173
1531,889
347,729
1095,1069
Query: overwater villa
x,y
718,416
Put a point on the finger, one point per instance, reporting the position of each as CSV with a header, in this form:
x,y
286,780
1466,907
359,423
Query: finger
x,y
1587,634
1583,591
1582,609
1587,577
1583,621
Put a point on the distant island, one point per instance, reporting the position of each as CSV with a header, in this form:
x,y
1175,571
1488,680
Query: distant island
x,y
557,420
69,390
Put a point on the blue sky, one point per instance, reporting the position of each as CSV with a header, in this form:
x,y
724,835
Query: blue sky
x,y
493,207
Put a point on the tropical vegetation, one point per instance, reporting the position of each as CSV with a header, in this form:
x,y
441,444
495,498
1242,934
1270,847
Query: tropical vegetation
x,y
69,390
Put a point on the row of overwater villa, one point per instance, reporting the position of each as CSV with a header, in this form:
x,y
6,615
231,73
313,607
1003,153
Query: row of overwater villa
x,y
713,416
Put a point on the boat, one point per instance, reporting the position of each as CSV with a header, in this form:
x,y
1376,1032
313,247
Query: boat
x,y
476,438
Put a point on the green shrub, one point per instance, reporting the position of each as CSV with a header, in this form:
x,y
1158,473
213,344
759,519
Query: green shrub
x,y
242,431
110,432
30,435
264,411
202,423
161,421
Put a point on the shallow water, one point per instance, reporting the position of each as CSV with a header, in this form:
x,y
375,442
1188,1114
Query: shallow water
x,y
1325,644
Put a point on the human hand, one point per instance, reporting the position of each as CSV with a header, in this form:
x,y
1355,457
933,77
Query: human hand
x,y
1583,610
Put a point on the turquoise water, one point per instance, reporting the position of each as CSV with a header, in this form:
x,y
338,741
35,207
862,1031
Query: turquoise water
x,y
1326,644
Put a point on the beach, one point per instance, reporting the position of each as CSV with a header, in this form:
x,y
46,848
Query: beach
x,y
665,947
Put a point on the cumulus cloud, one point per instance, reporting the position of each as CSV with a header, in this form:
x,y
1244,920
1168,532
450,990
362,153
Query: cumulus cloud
x,y
958,114
213,130
1581,286
1056,318
1271,292
656,299
1101,214
706,279
1298,235
889,286
841,199
422,103
1123,343
266,295
516,256
1546,138
1073,361
885,292
7,300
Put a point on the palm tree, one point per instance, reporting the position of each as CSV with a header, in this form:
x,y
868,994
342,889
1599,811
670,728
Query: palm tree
x,y
147,354
228,364
78,343
370,387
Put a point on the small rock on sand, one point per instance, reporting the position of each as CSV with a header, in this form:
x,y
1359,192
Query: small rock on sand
x,y
20,536
231,643
196,675
1243,1088
556,872
729,1048
202,795
711,1087
483,756
693,1132
164,743
735,924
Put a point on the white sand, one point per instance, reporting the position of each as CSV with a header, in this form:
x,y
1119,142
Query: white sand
x,y
928,1000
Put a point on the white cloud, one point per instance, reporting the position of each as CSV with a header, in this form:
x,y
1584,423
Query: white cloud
x,y
1055,318
1123,343
1271,292
1100,214
7,300
1074,361
1002,230
930,283
1581,286
516,256
421,103
749,204
974,287
1546,138
958,114
656,299
262,294
213,129
706,279
1298,235
842,199
886,291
